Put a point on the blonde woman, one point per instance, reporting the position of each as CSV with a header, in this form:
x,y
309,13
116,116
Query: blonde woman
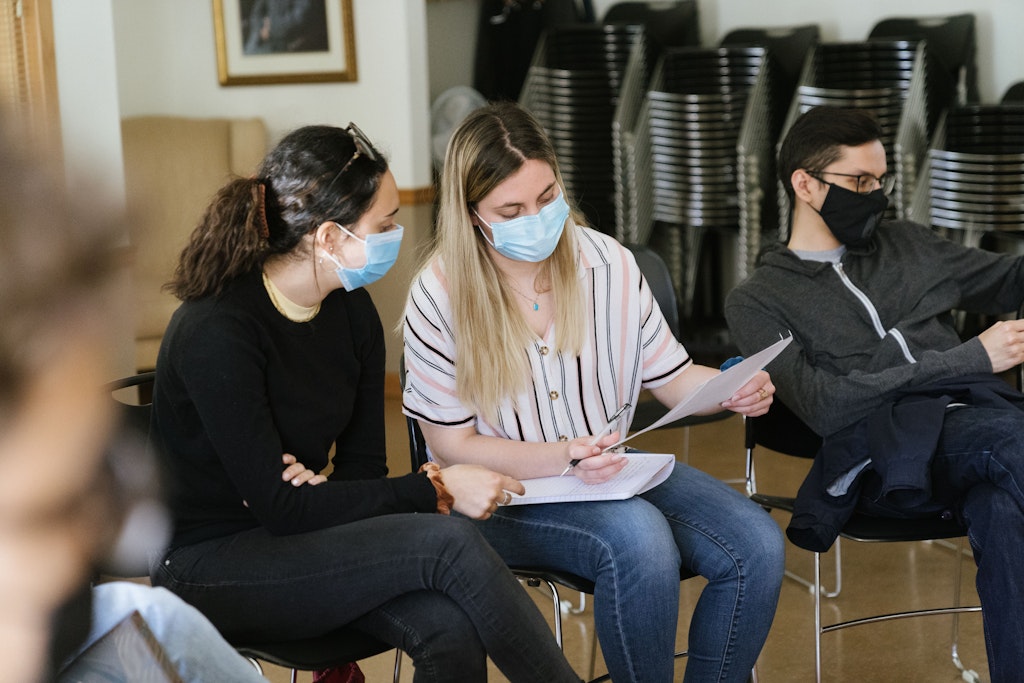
x,y
524,333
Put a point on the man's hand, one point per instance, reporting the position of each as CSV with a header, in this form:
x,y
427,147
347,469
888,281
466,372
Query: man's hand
x,y
1004,343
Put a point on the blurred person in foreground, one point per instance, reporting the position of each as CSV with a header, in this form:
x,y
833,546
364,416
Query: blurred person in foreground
x,y
58,307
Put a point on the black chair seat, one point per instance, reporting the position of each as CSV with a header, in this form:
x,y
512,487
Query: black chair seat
x,y
868,528
568,579
338,647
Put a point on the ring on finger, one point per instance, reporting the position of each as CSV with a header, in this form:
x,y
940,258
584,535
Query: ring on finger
x,y
762,393
506,499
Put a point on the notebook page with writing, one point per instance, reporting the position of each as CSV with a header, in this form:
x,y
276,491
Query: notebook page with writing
x,y
643,472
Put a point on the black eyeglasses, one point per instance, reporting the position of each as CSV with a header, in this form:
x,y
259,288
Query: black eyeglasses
x,y
865,181
363,146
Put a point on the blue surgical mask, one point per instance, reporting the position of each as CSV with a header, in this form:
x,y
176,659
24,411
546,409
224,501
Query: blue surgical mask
x,y
529,238
381,253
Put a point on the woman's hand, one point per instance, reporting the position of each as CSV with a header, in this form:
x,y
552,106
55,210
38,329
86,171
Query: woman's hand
x,y
296,473
595,466
477,490
754,398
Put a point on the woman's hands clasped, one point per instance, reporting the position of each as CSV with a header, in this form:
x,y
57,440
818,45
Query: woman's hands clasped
x,y
477,490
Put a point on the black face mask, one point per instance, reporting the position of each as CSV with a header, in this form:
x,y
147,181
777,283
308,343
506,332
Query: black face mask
x,y
853,217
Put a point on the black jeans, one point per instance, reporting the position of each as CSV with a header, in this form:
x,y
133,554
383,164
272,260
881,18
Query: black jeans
x,y
428,584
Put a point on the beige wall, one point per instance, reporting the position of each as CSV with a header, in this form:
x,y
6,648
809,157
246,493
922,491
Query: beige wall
x,y
389,293
127,57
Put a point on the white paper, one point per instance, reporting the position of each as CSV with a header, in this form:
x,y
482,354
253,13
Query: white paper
x,y
643,472
719,388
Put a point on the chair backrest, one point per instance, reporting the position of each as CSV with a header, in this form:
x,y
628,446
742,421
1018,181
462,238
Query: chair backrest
x,y
670,24
1014,94
781,430
952,44
787,47
145,523
417,445
659,279
136,414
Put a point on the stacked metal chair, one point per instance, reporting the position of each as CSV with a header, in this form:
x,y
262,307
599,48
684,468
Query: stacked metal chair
x,y
694,112
755,112
973,181
971,185
787,51
572,88
631,152
952,69
950,78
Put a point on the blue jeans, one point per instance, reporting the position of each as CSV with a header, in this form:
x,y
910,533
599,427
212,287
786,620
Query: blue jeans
x,y
633,551
425,583
980,465
195,648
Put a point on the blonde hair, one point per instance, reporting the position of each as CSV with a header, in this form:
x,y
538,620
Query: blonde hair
x,y
491,363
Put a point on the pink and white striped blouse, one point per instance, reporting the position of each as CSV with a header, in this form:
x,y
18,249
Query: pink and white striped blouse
x,y
628,347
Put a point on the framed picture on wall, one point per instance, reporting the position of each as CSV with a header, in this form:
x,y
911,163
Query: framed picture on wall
x,y
284,41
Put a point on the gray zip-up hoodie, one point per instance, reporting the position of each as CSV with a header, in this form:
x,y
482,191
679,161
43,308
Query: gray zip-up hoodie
x,y
877,321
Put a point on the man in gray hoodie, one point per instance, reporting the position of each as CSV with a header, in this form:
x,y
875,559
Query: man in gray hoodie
x,y
869,305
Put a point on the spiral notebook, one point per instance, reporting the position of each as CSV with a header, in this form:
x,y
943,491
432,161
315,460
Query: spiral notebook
x,y
128,653
643,472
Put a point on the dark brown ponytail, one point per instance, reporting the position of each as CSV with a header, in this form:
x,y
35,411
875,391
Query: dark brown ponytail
x,y
226,243
313,175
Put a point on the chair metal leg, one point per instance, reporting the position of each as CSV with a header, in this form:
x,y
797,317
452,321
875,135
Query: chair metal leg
x,y
838,575
969,675
817,617
557,610
398,664
294,677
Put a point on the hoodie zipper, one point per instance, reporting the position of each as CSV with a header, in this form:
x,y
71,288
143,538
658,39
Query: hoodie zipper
x,y
873,313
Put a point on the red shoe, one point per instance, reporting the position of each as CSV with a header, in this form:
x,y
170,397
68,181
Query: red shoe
x,y
346,673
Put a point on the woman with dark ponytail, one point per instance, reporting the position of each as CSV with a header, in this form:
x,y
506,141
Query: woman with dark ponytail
x,y
272,369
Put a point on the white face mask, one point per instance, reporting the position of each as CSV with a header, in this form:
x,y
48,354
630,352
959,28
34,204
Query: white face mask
x,y
529,238
381,253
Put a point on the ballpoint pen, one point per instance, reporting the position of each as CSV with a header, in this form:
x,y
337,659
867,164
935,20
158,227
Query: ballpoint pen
x,y
593,442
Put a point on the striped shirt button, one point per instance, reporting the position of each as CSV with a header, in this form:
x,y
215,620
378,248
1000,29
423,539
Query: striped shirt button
x,y
543,350
553,395
563,437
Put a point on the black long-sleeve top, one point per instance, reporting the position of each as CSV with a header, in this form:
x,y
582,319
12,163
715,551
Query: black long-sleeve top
x,y
238,385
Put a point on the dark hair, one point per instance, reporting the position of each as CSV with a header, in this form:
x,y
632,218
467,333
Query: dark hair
x,y
814,139
56,264
308,178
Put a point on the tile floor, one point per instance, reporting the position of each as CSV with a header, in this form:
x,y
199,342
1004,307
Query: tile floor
x,y
876,577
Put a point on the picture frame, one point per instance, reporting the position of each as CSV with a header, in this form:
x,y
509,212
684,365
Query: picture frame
x,y
263,42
